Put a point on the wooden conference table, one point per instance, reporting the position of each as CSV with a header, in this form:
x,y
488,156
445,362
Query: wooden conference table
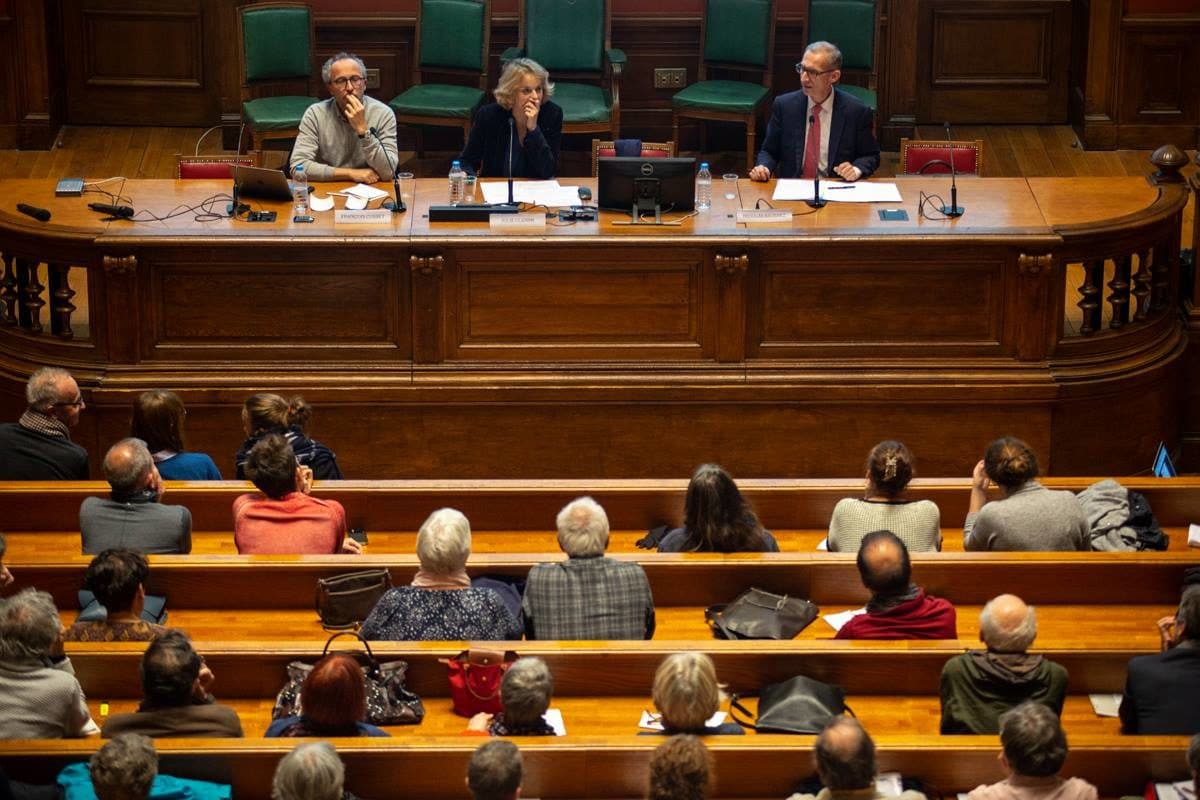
x,y
1046,310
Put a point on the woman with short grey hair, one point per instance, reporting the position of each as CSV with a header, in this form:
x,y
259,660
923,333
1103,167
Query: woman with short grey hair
x,y
441,603
525,694
310,772
39,695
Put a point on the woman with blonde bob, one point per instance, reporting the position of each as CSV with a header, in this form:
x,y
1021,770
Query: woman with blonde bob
x,y
686,694
518,135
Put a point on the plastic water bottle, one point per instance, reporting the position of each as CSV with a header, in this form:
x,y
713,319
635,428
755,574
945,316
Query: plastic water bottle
x,y
703,188
458,180
300,190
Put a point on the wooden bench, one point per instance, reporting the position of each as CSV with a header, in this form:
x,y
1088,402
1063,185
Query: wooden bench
x,y
617,766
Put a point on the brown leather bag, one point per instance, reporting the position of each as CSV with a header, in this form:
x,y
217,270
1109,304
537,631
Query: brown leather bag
x,y
344,601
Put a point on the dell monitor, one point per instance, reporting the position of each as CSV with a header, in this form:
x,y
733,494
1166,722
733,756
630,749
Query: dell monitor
x,y
646,185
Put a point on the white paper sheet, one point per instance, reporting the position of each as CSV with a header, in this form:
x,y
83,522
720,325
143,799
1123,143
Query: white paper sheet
x,y
543,193
823,545
1193,535
889,784
1180,790
836,191
554,719
355,203
316,203
652,722
366,192
1105,705
836,621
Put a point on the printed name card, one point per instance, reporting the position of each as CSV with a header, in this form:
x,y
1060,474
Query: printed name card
x,y
512,223
369,216
749,215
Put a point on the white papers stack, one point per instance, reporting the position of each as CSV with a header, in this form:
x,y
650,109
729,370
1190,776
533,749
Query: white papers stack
x,y
1105,705
836,191
554,718
836,621
652,722
1181,790
540,193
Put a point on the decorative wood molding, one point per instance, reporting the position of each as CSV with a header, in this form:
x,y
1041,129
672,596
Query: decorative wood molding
x,y
427,265
120,265
732,265
1035,266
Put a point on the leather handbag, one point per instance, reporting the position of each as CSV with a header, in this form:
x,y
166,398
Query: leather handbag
x,y
757,614
344,601
388,701
475,677
797,705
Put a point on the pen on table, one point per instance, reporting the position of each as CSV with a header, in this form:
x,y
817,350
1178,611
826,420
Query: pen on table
x,y
831,188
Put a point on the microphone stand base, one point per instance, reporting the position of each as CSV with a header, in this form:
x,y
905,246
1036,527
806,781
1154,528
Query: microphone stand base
x,y
816,203
953,211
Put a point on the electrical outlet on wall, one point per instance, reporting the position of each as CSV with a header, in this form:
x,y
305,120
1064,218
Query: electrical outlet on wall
x,y
670,77
372,78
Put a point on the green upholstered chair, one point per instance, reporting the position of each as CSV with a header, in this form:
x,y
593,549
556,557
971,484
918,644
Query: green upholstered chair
x,y
573,41
452,38
275,56
853,26
738,35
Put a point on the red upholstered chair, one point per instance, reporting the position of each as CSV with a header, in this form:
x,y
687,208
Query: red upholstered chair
x,y
212,167
920,157
606,149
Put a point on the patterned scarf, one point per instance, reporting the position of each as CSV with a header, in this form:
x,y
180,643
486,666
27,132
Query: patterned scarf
x,y
44,424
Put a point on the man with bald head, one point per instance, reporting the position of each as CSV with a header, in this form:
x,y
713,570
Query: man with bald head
x,y
898,608
133,518
38,447
844,756
981,685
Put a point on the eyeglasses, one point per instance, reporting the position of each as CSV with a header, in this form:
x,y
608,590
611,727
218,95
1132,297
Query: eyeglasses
x,y
810,72
78,401
352,80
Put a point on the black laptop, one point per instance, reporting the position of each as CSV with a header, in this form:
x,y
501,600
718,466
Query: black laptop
x,y
267,184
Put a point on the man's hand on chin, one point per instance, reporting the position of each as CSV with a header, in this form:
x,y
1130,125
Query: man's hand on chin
x,y
356,114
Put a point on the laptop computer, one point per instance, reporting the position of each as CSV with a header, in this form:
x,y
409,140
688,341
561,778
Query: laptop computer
x,y
268,184
1163,466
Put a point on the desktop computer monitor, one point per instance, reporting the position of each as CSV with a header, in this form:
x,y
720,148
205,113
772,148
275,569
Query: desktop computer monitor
x,y
627,183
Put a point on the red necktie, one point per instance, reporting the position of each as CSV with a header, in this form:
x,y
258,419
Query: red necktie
x,y
812,144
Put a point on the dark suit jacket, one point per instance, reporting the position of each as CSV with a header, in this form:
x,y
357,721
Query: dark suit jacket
x,y
1162,693
850,136
27,455
486,153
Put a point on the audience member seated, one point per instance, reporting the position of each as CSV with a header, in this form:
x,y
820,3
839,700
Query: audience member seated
x,y
38,447
6,577
1193,760
525,693
177,699
1162,691
312,771
134,516
884,507
1033,750
441,603
334,700
1029,516
158,421
898,608
844,756
264,414
680,769
588,596
980,685
686,694
39,695
717,518
126,768
285,518
495,771
117,578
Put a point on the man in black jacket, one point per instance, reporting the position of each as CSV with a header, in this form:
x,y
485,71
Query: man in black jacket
x,y
38,447
1162,692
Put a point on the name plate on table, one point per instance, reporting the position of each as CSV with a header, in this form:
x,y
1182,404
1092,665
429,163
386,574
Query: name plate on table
x,y
367,216
517,222
765,215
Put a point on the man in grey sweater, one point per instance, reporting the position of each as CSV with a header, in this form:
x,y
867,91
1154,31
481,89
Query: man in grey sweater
x,y
133,518
336,142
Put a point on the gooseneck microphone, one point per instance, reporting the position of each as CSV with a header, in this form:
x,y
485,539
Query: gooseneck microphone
x,y
817,201
510,146
40,214
115,211
395,206
954,209
236,207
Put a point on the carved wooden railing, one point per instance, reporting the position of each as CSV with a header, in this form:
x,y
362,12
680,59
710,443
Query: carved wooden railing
x,y
23,296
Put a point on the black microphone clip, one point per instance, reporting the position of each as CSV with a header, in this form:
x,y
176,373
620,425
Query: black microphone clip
x,y
113,211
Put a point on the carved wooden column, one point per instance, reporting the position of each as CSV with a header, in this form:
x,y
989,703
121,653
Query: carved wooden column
x,y
61,307
121,303
731,305
30,288
1036,333
428,317
8,292
1141,286
1089,296
1119,291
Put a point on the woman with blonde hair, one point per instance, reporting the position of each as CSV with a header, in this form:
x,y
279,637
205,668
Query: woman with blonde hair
x,y
884,506
518,135
158,417
265,413
686,694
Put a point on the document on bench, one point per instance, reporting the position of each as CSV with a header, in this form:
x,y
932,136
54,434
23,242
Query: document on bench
x,y
554,718
836,191
538,193
1105,705
653,722
836,621
1180,790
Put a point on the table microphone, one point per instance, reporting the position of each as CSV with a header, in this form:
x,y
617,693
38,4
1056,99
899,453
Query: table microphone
x,y
817,201
954,209
510,144
119,212
395,206
40,214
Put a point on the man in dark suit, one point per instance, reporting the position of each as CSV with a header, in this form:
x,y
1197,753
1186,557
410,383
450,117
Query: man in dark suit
x,y
843,143
39,446
1162,692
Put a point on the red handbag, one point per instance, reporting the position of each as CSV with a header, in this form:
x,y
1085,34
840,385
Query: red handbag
x,y
475,677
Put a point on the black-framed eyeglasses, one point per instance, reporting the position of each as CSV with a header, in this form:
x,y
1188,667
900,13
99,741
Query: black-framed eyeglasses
x,y
351,80
78,401
810,72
